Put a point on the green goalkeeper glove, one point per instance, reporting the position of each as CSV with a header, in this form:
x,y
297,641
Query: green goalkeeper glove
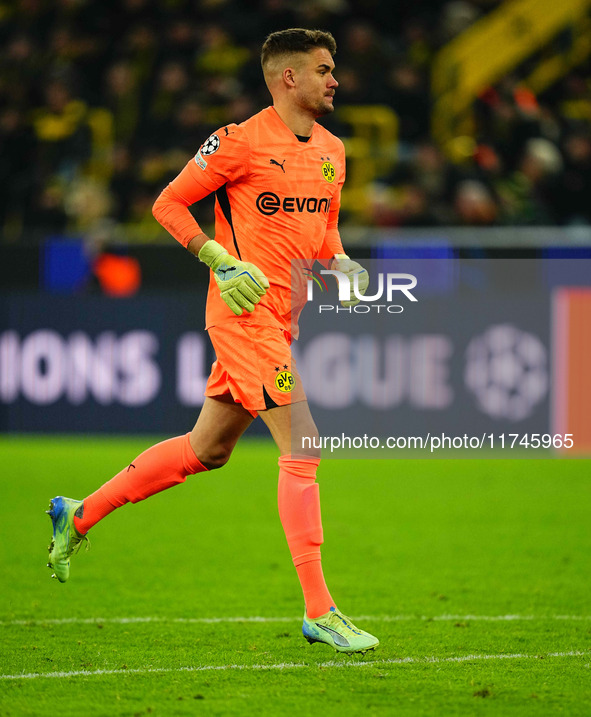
x,y
355,273
241,284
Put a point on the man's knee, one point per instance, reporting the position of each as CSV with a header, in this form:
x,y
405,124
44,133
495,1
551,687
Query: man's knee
x,y
293,429
215,457
308,445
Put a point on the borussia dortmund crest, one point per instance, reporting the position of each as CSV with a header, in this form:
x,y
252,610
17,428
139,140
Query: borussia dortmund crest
x,y
285,381
328,172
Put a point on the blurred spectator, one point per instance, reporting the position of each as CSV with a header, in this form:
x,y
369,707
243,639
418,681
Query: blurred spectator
x,y
186,129
178,43
122,97
140,225
219,54
528,194
140,48
362,64
47,213
62,131
409,97
575,104
21,62
122,182
456,16
474,204
416,44
87,202
171,84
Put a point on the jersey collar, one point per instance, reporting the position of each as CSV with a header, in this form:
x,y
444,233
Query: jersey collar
x,y
272,112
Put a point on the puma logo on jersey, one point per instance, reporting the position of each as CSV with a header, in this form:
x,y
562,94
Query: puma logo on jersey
x,y
274,161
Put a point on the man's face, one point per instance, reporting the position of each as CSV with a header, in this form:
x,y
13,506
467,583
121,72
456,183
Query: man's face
x,y
314,84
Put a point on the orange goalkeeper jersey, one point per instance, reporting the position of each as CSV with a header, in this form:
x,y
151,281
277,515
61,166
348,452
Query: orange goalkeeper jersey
x,y
277,199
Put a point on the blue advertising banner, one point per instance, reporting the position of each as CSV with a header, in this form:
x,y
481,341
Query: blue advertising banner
x,y
93,364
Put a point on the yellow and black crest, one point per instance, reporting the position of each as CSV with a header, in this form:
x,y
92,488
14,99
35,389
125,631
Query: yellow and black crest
x,y
285,381
328,172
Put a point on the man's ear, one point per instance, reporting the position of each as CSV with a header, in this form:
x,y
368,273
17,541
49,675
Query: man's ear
x,y
288,76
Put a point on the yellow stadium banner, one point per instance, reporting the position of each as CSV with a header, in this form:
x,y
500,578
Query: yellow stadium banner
x,y
490,48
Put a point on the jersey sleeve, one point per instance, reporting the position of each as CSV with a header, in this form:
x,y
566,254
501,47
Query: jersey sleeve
x,y
170,209
222,158
332,239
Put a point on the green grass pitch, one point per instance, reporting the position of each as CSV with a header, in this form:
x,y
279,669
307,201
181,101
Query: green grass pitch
x,y
473,573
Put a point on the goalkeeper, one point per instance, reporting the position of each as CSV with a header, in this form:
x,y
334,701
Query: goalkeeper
x,y
277,179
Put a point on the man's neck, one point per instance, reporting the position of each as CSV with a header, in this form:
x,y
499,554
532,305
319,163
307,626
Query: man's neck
x,y
299,122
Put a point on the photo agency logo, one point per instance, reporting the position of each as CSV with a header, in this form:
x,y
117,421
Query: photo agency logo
x,y
389,287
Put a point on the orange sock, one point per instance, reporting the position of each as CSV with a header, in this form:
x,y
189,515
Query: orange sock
x,y
299,510
154,470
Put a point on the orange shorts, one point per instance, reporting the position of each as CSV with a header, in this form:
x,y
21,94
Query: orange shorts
x,y
254,364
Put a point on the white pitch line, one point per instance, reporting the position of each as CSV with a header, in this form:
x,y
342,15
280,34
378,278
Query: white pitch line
x,y
481,618
254,619
289,665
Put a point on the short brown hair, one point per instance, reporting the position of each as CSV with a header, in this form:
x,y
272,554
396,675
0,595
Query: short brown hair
x,y
295,40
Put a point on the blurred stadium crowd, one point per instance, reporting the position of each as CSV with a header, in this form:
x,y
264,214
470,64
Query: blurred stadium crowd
x,y
103,101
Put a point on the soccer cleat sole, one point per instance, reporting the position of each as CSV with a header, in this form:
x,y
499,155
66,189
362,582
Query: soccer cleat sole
x,y
312,641
51,514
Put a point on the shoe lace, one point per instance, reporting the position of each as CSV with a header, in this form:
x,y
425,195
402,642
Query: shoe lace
x,y
337,619
76,542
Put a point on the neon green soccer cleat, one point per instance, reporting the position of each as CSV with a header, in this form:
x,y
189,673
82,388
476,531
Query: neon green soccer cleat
x,y
337,630
66,539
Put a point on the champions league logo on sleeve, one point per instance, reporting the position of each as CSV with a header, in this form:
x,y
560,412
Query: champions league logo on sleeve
x,y
211,145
